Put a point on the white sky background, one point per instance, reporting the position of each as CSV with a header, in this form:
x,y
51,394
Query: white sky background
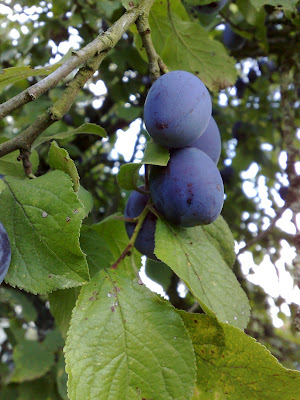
x,y
275,280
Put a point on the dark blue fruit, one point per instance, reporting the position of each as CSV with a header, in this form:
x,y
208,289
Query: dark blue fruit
x,y
177,109
5,253
210,141
232,40
145,240
227,174
212,7
283,191
240,87
252,75
189,190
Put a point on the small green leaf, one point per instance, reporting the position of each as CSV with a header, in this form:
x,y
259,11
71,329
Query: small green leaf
x,y
63,314
59,159
220,235
31,361
86,199
12,75
96,248
121,332
43,226
156,154
197,257
92,129
233,366
129,175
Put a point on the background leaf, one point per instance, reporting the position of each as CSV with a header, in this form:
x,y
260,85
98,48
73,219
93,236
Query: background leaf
x,y
232,365
32,360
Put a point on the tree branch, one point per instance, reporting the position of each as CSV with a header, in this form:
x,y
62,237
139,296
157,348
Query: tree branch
x,y
144,30
104,42
63,104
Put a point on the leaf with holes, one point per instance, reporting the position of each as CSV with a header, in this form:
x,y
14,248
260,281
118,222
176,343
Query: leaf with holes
x,y
43,217
233,366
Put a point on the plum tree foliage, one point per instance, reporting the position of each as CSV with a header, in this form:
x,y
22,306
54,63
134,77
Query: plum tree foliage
x,y
112,166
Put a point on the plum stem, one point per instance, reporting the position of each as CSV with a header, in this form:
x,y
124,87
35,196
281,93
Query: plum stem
x,y
131,242
119,218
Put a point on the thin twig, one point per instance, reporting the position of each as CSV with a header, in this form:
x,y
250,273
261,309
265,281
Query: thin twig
x,y
103,42
264,233
143,27
132,240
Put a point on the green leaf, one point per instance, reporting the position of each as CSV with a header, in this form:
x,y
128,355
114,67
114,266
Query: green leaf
x,y
113,228
129,113
96,248
220,235
129,175
194,255
53,341
17,298
63,314
285,5
61,378
31,360
125,342
185,45
156,154
92,129
189,47
39,389
43,227
233,366
86,199
9,164
159,272
59,159
12,75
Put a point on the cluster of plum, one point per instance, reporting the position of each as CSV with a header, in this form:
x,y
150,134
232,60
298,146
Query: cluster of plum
x,y
189,190
5,252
